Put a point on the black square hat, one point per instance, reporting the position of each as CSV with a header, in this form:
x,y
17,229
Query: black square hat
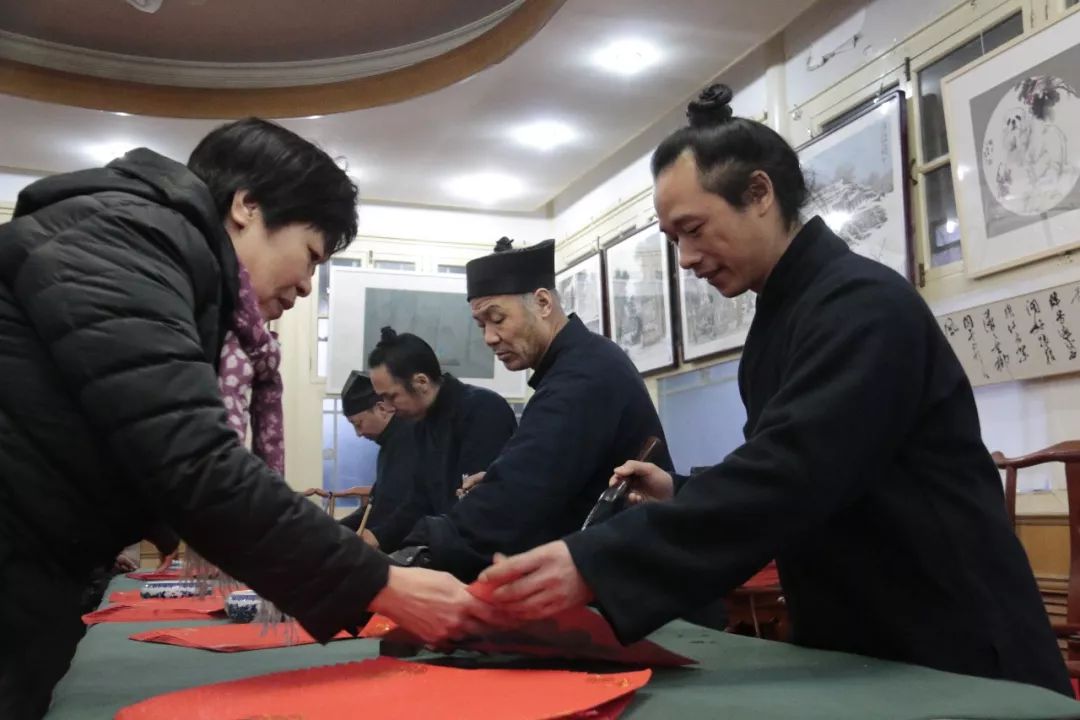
x,y
510,271
358,394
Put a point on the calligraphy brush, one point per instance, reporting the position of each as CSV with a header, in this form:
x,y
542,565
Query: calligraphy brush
x,y
605,506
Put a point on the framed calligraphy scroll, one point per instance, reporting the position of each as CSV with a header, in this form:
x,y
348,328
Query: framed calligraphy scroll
x,y
1029,336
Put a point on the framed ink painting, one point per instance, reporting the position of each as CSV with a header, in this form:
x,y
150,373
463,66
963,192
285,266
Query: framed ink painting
x,y
638,270
1013,120
581,291
857,176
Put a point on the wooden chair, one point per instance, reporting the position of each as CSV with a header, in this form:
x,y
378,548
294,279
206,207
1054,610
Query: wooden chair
x,y
330,497
1067,453
758,608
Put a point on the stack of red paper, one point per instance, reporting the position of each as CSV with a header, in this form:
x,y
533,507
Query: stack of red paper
x,y
395,690
153,609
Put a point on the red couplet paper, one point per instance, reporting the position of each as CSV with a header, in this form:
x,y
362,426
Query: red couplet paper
x,y
578,633
233,637
159,609
608,711
768,576
125,597
378,626
153,575
394,690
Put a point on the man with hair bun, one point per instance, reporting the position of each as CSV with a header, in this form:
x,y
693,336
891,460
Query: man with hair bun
x,y
459,430
863,471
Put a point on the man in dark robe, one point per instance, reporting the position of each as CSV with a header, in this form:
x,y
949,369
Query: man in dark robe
x,y
460,428
590,412
395,467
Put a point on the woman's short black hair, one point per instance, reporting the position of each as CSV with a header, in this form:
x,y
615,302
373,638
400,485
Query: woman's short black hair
x,y
728,150
405,355
291,179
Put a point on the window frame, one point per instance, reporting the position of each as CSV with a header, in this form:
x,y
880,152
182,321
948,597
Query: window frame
x,y
922,166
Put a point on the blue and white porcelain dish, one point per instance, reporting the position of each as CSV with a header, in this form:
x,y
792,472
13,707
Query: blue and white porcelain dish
x,y
242,606
169,589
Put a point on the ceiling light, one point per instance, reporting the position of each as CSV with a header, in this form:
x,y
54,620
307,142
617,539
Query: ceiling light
x,y
312,117
544,135
102,153
626,57
486,188
121,114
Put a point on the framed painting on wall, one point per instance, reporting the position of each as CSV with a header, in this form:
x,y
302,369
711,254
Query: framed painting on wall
x,y
711,323
857,175
1013,120
581,291
638,271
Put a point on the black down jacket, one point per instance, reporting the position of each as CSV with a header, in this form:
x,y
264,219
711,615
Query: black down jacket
x,y
116,285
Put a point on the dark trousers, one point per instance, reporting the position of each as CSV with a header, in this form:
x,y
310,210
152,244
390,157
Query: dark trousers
x,y
40,625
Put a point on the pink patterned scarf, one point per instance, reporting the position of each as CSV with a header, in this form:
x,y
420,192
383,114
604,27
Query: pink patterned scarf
x,y
250,379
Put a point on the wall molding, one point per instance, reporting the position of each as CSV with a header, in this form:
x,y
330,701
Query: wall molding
x,y
82,90
186,73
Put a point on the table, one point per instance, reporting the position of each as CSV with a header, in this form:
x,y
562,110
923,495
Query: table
x,y
738,677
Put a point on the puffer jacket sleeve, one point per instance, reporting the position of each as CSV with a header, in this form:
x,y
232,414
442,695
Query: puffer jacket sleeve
x,y
113,297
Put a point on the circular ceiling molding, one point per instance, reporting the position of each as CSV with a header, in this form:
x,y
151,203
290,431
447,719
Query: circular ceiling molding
x,y
41,69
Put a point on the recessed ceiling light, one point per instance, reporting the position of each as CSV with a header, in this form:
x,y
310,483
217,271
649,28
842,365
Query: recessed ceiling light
x,y
312,117
544,135
628,56
102,153
121,114
486,188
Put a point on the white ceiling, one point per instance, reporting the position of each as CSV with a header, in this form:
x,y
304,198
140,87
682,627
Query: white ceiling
x,y
407,152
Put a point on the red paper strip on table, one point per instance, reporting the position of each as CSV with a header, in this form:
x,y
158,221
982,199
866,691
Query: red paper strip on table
x,y
608,711
394,690
378,626
125,597
159,609
232,637
768,576
154,575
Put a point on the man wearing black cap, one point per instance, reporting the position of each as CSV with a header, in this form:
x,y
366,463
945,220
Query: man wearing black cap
x,y
395,468
590,412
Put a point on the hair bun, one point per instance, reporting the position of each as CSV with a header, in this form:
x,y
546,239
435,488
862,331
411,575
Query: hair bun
x,y
504,244
387,334
712,107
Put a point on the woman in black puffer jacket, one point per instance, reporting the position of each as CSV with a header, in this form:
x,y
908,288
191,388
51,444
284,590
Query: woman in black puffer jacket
x,y
117,289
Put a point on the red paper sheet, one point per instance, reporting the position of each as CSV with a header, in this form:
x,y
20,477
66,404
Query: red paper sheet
x,y
125,597
578,633
159,609
394,690
234,637
608,711
766,577
152,575
378,626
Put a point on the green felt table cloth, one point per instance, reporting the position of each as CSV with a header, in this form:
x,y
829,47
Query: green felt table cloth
x,y
736,678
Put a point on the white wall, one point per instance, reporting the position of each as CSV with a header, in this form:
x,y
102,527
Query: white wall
x,y
828,26
11,182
